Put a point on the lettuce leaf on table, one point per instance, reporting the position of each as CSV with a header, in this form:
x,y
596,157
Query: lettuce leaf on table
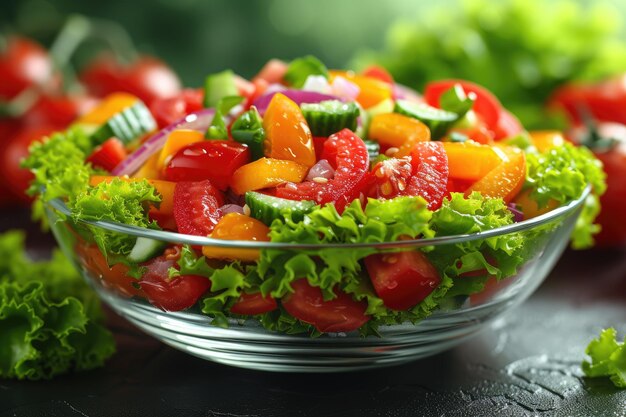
x,y
50,321
608,358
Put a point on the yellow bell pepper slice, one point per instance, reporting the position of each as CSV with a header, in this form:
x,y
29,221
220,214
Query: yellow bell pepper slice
x,y
471,161
265,173
237,226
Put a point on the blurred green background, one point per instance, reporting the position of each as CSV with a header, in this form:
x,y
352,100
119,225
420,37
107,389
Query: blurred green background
x,y
520,49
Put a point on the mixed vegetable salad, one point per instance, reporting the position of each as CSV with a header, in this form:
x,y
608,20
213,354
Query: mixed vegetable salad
x,y
303,154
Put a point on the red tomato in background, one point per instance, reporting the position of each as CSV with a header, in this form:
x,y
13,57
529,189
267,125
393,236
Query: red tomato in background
x,y
196,207
252,304
378,73
22,64
147,78
347,153
214,160
341,314
168,110
402,279
58,110
174,294
611,216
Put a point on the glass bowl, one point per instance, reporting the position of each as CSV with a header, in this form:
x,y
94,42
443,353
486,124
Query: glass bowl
x,y
245,343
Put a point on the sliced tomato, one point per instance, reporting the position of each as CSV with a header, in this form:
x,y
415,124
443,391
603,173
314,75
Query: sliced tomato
x,y
114,277
174,294
391,177
168,110
214,160
378,72
196,207
108,155
430,173
403,279
508,125
318,144
341,314
487,106
347,153
252,304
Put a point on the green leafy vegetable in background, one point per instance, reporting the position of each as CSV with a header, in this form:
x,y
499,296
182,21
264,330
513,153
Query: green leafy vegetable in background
x,y
608,358
521,50
561,174
117,201
299,70
50,321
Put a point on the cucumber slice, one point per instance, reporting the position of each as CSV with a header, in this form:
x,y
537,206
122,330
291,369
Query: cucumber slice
x,y
127,125
266,208
218,86
373,148
146,249
330,116
437,120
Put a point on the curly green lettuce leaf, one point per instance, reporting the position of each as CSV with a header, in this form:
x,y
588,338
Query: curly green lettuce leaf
x,y
608,358
562,174
381,221
59,168
117,201
50,321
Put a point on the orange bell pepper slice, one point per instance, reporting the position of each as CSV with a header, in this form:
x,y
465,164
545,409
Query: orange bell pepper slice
x,y
265,173
470,161
372,92
237,226
398,131
177,140
287,135
110,106
529,207
164,214
544,140
506,180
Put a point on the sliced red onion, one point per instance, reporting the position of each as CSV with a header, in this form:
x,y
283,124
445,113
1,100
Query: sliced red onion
x,y
231,208
321,169
298,96
200,120
518,216
345,89
402,92
274,88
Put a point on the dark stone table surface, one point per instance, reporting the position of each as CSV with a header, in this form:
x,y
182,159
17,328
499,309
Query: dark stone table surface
x,y
526,364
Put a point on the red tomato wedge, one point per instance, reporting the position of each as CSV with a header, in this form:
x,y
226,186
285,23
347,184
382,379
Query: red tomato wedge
x,y
168,110
347,153
402,279
341,314
196,207
214,160
252,304
108,155
487,106
174,294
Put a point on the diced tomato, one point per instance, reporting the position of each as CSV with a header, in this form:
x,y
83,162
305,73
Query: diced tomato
x,y
391,177
196,207
378,72
108,155
252,304
341,314
174,294
318,144
403,279
347,153
430,173
214,160
168,110
487,106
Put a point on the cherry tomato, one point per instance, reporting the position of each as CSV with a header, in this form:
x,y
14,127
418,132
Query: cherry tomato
x,y
174,294
403,279
347,153
252,304
196,207
214,160
22,64
487,106
108,155
341,314
430,173
168,110
147,78
113,277
17,179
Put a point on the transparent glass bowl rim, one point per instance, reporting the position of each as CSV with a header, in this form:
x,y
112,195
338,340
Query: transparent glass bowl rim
x,y
173,237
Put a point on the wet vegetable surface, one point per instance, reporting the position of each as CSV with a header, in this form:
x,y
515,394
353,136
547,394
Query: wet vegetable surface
x,y
525,364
